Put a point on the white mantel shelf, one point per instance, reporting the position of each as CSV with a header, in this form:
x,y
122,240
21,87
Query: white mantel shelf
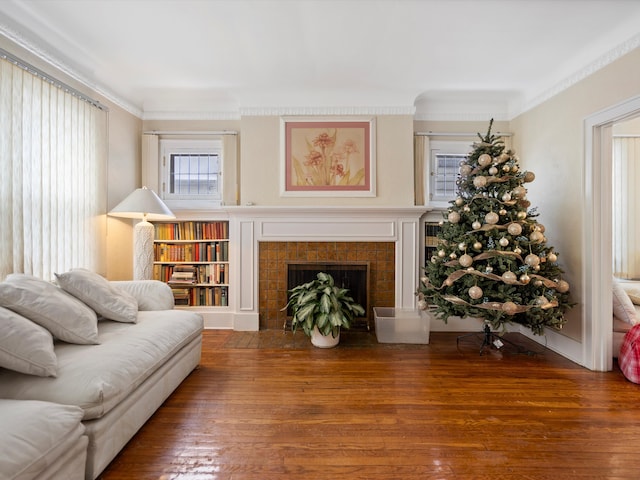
x,y
250,225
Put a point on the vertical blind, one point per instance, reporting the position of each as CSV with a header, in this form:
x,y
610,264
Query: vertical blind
x,y
626,209
53,152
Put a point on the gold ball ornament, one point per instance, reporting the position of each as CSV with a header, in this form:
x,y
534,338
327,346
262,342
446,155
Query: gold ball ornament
x,y
480,181
475,292
466,209
514,169
521,215
529,177
485,159
466,260
506,197
502,212
477,245
476,225
459,201
552,257
509,276
453,255
536,237
509,308
442,253
524,278
541,301
462,246
514,229
517,250
503,157
504,241
491,218
465,170
532,260
562,286
493,171
453,217
434,259
519,192
506,168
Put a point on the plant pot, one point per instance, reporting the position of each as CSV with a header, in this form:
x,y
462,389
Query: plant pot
x,y
324,341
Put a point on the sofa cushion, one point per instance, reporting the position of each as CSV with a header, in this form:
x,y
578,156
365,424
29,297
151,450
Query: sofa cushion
x,y
24,346
150,294
98,377
66,317
97,292
632,290
622,306
34,434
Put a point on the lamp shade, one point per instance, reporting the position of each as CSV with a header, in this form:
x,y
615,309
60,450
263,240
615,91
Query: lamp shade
x,y
142,203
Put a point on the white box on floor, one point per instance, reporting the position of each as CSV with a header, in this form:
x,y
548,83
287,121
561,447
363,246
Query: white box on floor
x,y
397,325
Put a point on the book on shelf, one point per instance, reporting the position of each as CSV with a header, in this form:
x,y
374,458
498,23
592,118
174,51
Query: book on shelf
x,y
183,274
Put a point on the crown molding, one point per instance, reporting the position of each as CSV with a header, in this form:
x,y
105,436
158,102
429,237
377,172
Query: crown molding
x,y
325,111
189,115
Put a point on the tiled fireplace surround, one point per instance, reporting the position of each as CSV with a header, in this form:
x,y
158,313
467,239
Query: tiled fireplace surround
x,y
265,238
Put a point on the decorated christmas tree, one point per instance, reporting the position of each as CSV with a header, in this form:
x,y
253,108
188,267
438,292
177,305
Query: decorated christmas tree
x,y
492,261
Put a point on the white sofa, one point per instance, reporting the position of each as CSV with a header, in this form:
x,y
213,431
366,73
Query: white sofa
x,y
626,310
116,378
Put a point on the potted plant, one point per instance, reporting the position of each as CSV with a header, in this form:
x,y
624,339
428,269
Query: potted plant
x,y
321,308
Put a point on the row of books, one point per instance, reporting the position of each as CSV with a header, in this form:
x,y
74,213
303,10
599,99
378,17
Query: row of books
x,y
201,296
188,230
191,252
215,274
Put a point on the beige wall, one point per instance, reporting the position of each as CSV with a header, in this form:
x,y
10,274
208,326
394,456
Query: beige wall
x,y
550,142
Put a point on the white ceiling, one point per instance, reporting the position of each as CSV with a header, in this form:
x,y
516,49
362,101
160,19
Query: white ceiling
x,y
454,59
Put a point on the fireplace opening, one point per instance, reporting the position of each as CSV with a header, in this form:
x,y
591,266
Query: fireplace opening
x,y
353,276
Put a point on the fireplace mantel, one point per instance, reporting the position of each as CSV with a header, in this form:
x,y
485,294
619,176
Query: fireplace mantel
x,y
250,225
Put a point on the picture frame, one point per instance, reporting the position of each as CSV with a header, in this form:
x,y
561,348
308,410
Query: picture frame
x,y
324,157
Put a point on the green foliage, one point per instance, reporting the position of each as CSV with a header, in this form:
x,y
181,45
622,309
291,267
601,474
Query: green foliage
x,y
490,239
323,304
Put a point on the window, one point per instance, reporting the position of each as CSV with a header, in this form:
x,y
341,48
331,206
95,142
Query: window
x,y
191,170
444,166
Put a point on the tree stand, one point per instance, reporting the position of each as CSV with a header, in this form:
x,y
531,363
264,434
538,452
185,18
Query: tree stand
x,y
491,340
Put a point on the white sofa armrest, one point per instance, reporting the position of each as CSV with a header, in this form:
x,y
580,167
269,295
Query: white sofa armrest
x,y
150,294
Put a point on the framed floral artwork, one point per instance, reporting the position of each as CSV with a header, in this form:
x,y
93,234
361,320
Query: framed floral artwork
x,y
334,158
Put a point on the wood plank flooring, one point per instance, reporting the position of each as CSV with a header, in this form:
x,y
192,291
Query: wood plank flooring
x,y
268,406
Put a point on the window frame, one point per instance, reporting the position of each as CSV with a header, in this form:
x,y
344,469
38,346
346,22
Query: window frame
x,y
169,146
460,148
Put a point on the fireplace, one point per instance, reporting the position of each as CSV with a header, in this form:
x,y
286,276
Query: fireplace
x,y
352,276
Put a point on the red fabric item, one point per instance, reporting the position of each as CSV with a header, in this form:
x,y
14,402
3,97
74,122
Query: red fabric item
x,y
629,358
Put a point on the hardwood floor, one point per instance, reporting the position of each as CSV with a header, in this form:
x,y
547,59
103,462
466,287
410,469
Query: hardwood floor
x,y
266,405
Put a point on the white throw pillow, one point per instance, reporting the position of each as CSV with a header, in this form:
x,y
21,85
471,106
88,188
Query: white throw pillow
x,y
632,290
622,306
106,299
66,317
25,347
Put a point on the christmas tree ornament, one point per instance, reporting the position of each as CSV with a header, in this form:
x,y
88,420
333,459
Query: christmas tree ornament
x,y
524,278
514,229
477,245
480,181
506,168
484,159
529,177
509,276
509,308
519,192
541,301
552,257
453,217
536,237
476,225
521,215
453,255
459,201
475,292
466,208
493,171
532,260
466,260
442,253
562,286
465,170
502,212
462,246
488,269
506,197
504,241
491,218
517,250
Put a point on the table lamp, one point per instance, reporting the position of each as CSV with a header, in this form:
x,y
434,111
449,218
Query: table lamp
x,y
146,205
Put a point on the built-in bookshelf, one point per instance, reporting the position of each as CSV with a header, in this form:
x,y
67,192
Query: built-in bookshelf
x,y
192,257
431,230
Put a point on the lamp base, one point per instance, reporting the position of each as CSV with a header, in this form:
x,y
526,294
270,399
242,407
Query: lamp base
x,y
143,234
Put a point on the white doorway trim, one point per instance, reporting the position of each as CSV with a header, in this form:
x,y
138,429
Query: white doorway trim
x,y
597,322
